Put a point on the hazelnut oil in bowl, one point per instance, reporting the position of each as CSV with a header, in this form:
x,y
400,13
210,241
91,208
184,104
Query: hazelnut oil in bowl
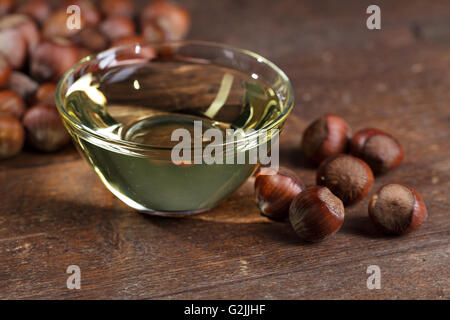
x,y
122,114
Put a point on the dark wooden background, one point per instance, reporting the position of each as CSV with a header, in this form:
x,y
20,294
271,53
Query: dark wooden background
x,y
55,212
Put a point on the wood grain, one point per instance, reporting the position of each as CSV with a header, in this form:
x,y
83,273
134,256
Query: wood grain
x,y
55,212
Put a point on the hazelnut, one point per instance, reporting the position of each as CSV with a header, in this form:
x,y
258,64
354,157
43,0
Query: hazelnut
x,y
349,178
5,70
12,136
52,58
39,10
316,213
91,39
44,128
11,104
6,6
173,19
117,27
380,150
118,7
45,94
14,47
26,27
325,137
22,84
274,192
153,32
397,209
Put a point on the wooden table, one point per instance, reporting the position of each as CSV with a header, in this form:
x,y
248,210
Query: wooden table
x,y
54,211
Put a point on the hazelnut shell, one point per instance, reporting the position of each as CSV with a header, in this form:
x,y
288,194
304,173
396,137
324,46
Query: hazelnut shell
x,y
44,128
380,150
348,177
316,214
11,104
397,209
173,19
325,137
12,136
274,192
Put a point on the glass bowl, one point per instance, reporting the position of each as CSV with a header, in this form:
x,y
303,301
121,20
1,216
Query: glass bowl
x,y
129,108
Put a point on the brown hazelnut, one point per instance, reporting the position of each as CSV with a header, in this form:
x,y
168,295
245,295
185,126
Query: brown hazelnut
x,y
22,84
349,178
45,94
380,150
52,58
14,47
25,25
6,6
44,128
11,104
39,10
5,70
397,209
316,213
91,39
116,27
173,19
12,136
118,7
274,192
153,32
325,137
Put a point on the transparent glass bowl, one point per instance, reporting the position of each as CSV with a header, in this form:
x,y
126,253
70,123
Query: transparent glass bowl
x,y
108,97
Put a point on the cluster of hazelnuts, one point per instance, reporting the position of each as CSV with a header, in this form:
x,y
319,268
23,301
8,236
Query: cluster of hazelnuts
x,y
37,47
342,179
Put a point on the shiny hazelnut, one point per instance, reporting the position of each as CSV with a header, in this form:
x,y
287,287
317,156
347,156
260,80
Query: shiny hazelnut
x,y
325,137
380,150
22,84
116,27
52,58
25,25
5,70
316,213
173,19
12,136
274,192
45,94
349,178
39,10
91,39
118,7
397,209
6,6
11,104
44,128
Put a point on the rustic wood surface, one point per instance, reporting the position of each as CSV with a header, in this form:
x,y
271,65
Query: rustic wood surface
x,y
54,211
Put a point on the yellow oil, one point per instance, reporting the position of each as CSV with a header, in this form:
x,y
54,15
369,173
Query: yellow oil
x,y
143,104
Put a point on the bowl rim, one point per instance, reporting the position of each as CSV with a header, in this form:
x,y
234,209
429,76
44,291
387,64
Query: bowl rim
x,y
72,122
